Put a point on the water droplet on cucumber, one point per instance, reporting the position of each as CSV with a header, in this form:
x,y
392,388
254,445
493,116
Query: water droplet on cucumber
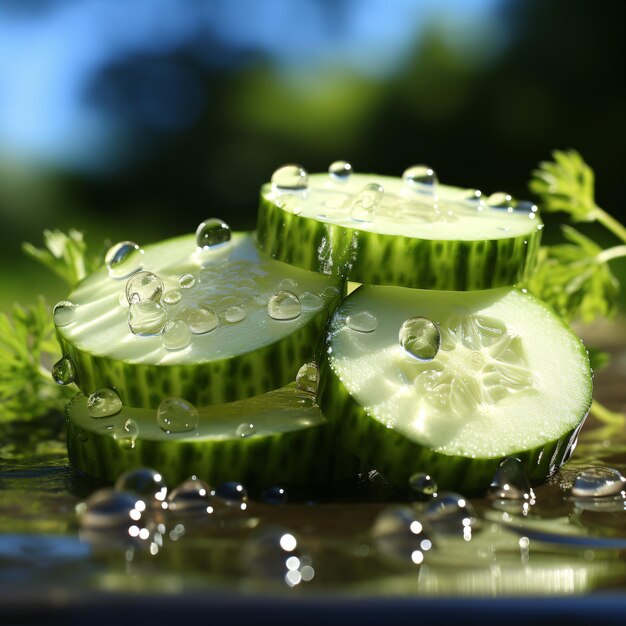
x,y
176,335
176,415
232,494
191,496
598,482
64,313
420,338
63,371
364,204
290,203
245,430
501,200
106,509
186,281
362,322
510,481
125,432
452,514
330,292
307,378
123,259
423,484
143,286
340,170
211,233
235,314
274,495
311,301
146,318
202,320
421,178
284,305
288,284
144,483
290,176
171,297
104,402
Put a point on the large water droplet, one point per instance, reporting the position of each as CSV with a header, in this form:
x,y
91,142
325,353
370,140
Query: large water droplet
x,y
284,305
421,178
64,313
311,301
104,402
598,482
191,496
125,432
176,415
364,204
245,429
501,200
107,509
398,533
123,259
510,481
330,292
307,378
211,233
451,513
423,484
232,494
186,281
288,284
420,338
275,495
63,371
143,286
171,297
176,335
146,318
202,320
362,322
289,203
340,170
290,176
235,314
143,482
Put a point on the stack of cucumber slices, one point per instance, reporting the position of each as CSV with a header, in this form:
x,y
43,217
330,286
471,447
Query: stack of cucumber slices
x,y
239,356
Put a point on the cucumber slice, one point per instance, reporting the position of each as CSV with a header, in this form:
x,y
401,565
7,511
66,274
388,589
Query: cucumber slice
x,y
460,245
239,358
287,439
509,379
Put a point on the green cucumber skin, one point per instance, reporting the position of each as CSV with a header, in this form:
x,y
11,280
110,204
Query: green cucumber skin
x,y
397,458
244,376
304,457
371,258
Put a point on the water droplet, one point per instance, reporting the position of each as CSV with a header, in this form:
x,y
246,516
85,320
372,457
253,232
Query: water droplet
x,y
399,534
245,430
273,553
288,284
598,482
284,305
275,495
143,482
176,335
421,178
290,176
104,402
146,318
362,321
451,513
173,296
64,313
106,509
501,200
125,432
144,286
340,170
176,415
363,206
235,314
311,301
423,484
290,203
420,338
186,281
232,494
191,496
307,378
202,320
123,259
510,481
330,292
472,195
525,206
211,233
63,371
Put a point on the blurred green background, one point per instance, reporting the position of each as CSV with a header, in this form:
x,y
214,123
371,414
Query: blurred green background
x,y
137,119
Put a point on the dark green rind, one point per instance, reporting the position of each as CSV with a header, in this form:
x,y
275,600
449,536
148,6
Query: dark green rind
x,y
371,258
213,382
305,456
397,458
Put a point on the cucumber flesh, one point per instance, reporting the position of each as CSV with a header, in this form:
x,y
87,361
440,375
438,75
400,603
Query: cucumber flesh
x,y
287,440
239,358
509,379
409,241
